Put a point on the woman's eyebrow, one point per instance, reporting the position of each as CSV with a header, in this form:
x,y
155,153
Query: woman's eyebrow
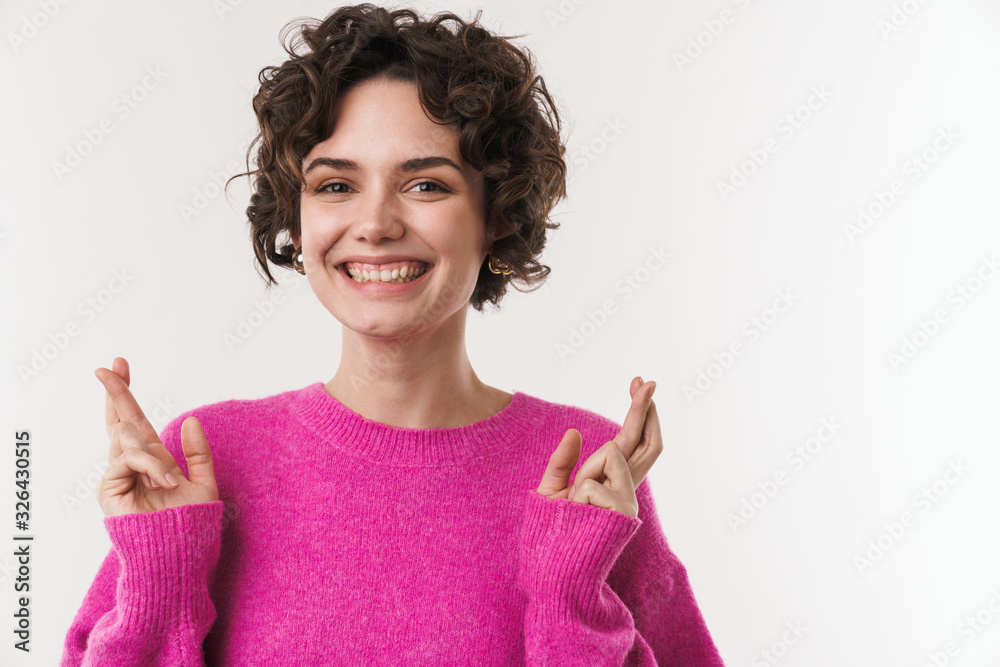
x,y
413,164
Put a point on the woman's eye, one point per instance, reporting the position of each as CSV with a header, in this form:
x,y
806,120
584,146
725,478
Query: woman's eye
x,y
325,188
338,188
436,187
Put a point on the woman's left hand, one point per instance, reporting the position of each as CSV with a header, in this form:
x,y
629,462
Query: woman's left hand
x,y
611,475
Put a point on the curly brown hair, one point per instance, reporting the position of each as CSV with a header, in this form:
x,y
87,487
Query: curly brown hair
x,y
468,78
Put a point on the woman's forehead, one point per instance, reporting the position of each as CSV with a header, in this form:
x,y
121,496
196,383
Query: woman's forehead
x,y
384,105
384,123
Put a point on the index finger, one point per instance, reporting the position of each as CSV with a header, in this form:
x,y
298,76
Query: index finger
x,y
631,432
125,404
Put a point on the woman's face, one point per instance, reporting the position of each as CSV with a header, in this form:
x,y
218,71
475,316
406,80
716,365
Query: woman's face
x,y
362,198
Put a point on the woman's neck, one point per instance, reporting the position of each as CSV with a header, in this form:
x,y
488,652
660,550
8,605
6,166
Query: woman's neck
x,y
428,401
429,396
418,379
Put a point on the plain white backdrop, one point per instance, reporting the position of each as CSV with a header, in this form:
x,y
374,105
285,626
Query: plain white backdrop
x,y
823,177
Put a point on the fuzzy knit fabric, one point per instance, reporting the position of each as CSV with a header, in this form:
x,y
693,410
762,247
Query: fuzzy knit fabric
x,y
338,540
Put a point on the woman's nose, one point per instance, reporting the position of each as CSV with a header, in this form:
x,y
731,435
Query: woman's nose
x,y
377,216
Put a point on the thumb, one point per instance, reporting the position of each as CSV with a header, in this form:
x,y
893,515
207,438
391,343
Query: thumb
x,y
197,452
561,463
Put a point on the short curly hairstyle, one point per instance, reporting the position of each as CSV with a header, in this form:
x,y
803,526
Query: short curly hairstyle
x,y
468,78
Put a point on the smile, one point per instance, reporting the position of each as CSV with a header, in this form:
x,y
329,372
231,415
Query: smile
x,y
393,272
398,273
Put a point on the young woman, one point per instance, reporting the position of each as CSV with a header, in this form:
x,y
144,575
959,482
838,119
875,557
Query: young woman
x,y
403,512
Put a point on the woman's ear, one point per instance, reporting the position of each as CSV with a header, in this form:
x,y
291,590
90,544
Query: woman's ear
x,y
296,240
498,234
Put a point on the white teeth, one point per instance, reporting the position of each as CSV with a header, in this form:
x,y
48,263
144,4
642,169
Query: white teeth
x,y
400,275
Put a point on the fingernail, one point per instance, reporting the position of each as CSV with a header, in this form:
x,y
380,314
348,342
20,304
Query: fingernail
x,y
652,388
572,490
170,478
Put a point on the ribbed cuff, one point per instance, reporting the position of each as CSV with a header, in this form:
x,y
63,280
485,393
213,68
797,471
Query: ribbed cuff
x,y
567,551
166,558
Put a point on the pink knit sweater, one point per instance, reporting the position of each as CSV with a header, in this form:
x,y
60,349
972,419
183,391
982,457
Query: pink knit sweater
x,y
337,540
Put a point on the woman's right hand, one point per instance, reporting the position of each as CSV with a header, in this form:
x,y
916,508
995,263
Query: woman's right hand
x,y
143,475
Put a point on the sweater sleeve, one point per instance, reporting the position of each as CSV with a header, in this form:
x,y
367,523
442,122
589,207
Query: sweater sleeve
x,y
654,585
604,589
149,604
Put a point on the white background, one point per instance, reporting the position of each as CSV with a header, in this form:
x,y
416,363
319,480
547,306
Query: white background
x,y
673,130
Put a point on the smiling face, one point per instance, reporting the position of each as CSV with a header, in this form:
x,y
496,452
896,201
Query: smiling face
x,y
391,182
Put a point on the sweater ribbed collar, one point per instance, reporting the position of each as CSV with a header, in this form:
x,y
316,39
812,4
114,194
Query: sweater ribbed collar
x,y
339,426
